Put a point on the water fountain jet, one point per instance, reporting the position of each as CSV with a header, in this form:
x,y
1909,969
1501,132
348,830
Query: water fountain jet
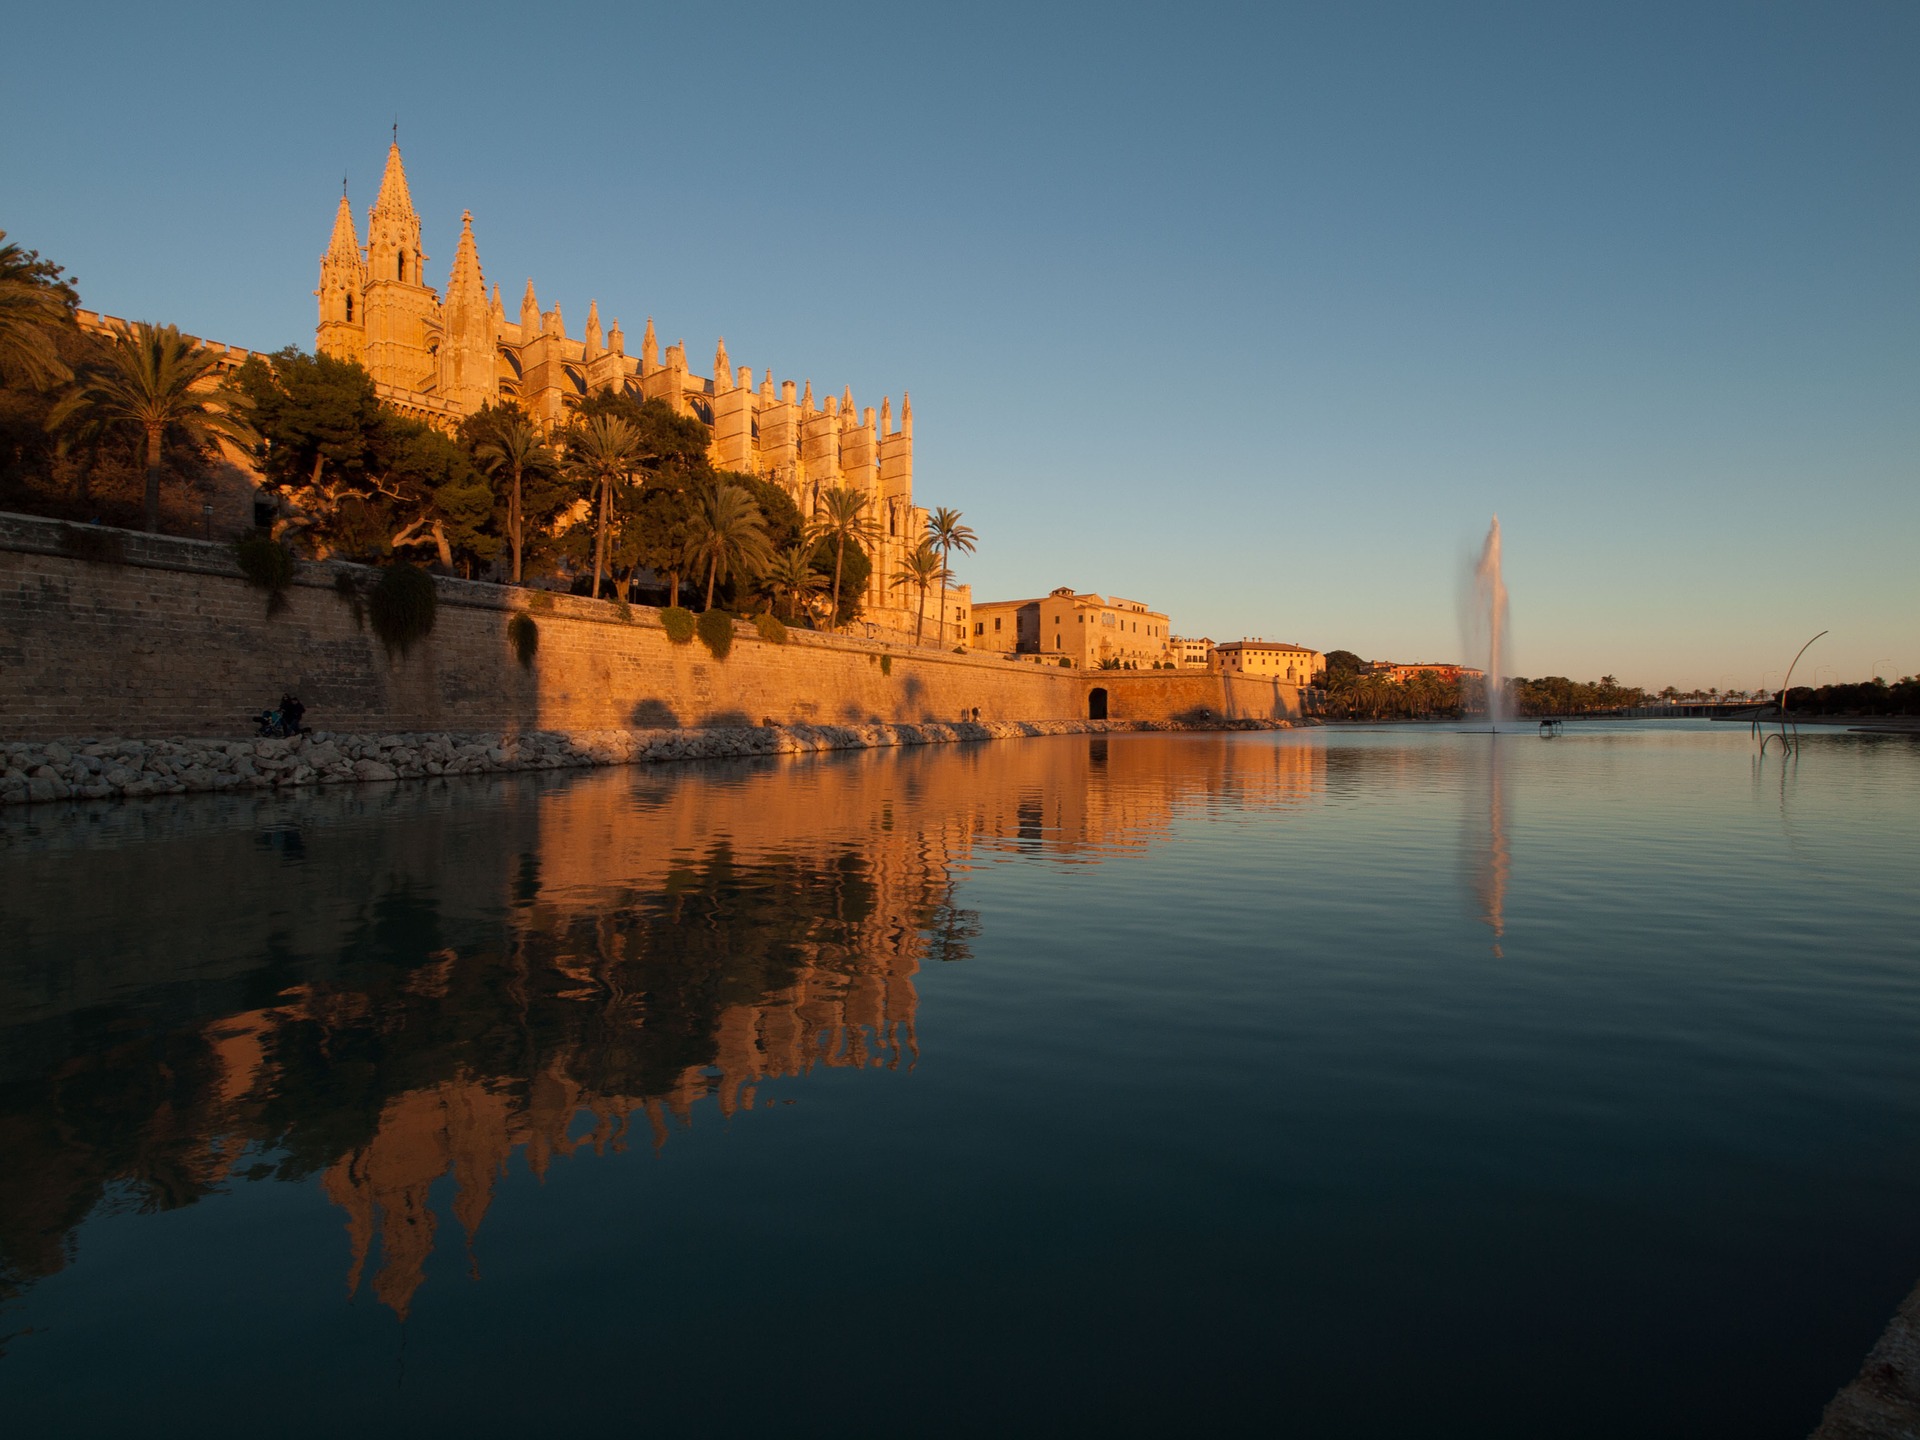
x,y
1491,609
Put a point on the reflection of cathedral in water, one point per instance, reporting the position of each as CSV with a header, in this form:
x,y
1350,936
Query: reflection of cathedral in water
x,y
575,973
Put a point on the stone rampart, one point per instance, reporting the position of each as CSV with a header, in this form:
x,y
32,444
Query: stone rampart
x,y
1191,697
167,638
159,636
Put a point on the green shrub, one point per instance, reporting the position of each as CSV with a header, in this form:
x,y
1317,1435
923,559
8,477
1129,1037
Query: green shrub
x,y
770,628
539,601
267,566
678,622
1065,663
886,664
622,608
525,636
90,542
715,628
402,605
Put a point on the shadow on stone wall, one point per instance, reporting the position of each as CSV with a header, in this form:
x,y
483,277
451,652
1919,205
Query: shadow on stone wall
x,y
654,713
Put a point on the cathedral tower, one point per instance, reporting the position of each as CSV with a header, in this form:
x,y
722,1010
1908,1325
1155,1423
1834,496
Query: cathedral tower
x,y
467,374
399,307
342,294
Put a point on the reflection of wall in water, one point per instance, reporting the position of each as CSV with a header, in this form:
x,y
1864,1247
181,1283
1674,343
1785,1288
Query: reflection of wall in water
x,y
433,983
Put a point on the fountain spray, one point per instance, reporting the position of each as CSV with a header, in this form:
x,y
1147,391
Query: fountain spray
x,y
1493,600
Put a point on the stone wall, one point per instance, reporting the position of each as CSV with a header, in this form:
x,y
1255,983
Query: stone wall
x,y
166,638
1193,696
169,639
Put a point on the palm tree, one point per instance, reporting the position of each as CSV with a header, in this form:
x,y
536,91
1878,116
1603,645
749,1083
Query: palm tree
x,y
842,517
920,569
154,378
791,577
730,535
519,449
948,535
602,451
30,313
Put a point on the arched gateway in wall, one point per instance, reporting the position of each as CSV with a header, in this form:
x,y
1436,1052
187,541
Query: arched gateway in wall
x,y
1097,703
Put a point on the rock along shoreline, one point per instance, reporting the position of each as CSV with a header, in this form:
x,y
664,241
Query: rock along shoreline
x,y
88,769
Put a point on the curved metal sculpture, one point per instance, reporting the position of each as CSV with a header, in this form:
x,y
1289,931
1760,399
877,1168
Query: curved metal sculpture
x,y
1788,742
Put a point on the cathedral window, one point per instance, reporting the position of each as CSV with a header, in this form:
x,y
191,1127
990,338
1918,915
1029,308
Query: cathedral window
x,y
349,309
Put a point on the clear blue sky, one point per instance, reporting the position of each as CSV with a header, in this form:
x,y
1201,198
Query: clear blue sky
x,y
1256,314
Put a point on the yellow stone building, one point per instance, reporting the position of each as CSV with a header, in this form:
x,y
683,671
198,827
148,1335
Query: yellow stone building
x,y
1192,652
1081,627
439,358
1269,659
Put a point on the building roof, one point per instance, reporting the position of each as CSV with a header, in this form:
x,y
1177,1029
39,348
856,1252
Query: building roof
x,y
1265,645
1079,597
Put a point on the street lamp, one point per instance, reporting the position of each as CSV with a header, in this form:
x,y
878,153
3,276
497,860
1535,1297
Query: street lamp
x,y
1878,663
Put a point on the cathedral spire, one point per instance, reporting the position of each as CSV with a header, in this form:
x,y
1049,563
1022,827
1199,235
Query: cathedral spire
x,y
393,198
344,247
722,369
466,344
393,230
343,291
466,279
594,341
529,314
649,349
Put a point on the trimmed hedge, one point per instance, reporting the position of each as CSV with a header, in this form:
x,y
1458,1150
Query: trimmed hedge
x,y
886,664
678,621
715,628
403,606
770,628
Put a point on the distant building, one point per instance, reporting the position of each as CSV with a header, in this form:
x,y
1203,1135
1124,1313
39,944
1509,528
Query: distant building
x,y
1192,652
1400,674
1080,627
1269,660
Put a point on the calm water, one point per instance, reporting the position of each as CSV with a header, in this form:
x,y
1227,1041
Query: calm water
x,y
1332,1083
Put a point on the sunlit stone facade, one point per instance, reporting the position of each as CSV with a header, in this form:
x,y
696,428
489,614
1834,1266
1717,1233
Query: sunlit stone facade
x,y
440,357
1077,626
1269,659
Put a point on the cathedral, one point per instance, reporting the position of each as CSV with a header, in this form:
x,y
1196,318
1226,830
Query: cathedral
x,y
439,358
